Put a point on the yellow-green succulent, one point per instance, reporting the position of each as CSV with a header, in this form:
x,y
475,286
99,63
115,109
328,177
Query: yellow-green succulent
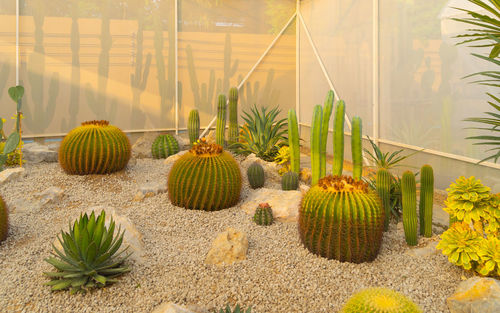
x,y
467,199
460,243
489,254
380,300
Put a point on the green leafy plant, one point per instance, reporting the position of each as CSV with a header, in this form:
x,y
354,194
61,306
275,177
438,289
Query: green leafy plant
x,y
237,309
89,255
13,141
262,134
284,160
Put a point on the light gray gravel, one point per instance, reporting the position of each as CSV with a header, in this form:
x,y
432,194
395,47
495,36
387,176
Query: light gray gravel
x,y
279,275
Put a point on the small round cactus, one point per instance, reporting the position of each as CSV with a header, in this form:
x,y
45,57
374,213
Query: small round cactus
x,y
164,146
263,215
4,220
380,300
290,181
256,176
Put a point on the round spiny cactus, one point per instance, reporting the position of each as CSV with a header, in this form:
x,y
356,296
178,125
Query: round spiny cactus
x,y
4,220
256,177
164,146
342,219
290,181
263,215
205,178
380,300
94,148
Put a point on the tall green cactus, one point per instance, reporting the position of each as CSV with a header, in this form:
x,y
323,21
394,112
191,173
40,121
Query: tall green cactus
x,y
356,148
327,113
233,116
221,120
409,194
294,141
194,126
316,144
426,200
338,138
384,192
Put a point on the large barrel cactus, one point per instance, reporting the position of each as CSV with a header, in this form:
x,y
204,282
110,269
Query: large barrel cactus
x,y
380,300
4,220
342,219
164,146
205,178
95,147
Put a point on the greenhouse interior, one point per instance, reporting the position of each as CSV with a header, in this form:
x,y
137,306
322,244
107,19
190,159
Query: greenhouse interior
x,y
227,156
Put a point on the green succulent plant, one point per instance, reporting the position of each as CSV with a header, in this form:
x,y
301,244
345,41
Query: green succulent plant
x,y
380,300
89,255
489,254
460,243
237,309
467,199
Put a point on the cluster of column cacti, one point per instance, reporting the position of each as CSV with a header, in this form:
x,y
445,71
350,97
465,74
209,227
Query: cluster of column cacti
x,y
256,176
4,220
325,123
164,146
290,181
263,215
233,131
221,120
316,144
294,141
193,126
338,138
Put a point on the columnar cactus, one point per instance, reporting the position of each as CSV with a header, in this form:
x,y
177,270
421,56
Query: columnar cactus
x,y
233,115
205,178
94,148
356,147
341,218
194,126
164,146
426,200
338,138
263,215
290,181
294,141
316,144
379,300
327,113
383,189
256,177
409,194
221,120
4,220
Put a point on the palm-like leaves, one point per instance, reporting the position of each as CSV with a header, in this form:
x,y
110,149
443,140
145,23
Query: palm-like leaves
x,y
385,160
89,255
487,35
261,134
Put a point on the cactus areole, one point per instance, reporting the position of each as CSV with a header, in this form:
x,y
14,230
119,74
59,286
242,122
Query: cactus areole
x,y
342,219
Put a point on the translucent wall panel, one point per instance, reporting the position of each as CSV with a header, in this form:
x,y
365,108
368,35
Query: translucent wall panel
x,y
83,60
219,42
7,60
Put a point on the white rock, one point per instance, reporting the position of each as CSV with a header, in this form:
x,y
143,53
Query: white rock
x,y
36,153
476,295
171,159
171,308
229,246
11,174
142,147
285,204
50,195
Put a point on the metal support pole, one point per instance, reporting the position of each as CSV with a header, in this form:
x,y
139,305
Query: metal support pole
x,y
176,19
376,72
297,65
17,42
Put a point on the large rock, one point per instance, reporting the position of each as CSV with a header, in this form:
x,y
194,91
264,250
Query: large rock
x,y
142,147
476,295
11,174
171,159
34,152
270,168
175,308
285,204
229,246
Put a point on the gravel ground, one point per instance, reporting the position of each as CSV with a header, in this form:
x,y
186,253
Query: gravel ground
x,y
279,275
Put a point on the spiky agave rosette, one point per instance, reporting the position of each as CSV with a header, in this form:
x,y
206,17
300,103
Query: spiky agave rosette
x,y
380,300
205,178
342,219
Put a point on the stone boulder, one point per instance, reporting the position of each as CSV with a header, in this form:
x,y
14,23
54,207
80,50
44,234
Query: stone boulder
x,y
476,295
11,174
34,152
142,147
285,204
229,246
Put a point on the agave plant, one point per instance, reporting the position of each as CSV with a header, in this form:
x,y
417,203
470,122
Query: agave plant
x,y
88,256
237,309
261,134
486,33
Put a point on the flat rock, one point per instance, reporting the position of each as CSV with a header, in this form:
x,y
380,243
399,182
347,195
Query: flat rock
x,y
34,152
11,174
476,295
230,246
285,204
142,147
428,250
50,195
171,159
175,308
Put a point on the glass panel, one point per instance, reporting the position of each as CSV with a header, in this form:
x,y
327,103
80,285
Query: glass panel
x,y
7,61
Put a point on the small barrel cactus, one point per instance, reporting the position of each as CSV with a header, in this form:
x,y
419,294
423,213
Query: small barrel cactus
x,y
95,147
409,195
379,300
206,178
164,146
341,218
290,181
4,220
256,176
263,215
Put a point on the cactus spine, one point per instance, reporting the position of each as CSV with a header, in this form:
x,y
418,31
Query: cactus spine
x,y
327,113
194,126
256,177
206,178
356,148
409,193
164,146
338,138
221,120
316,144
294,141
342,219
426,200
290,181
4,220
263,215
233,115
383,189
